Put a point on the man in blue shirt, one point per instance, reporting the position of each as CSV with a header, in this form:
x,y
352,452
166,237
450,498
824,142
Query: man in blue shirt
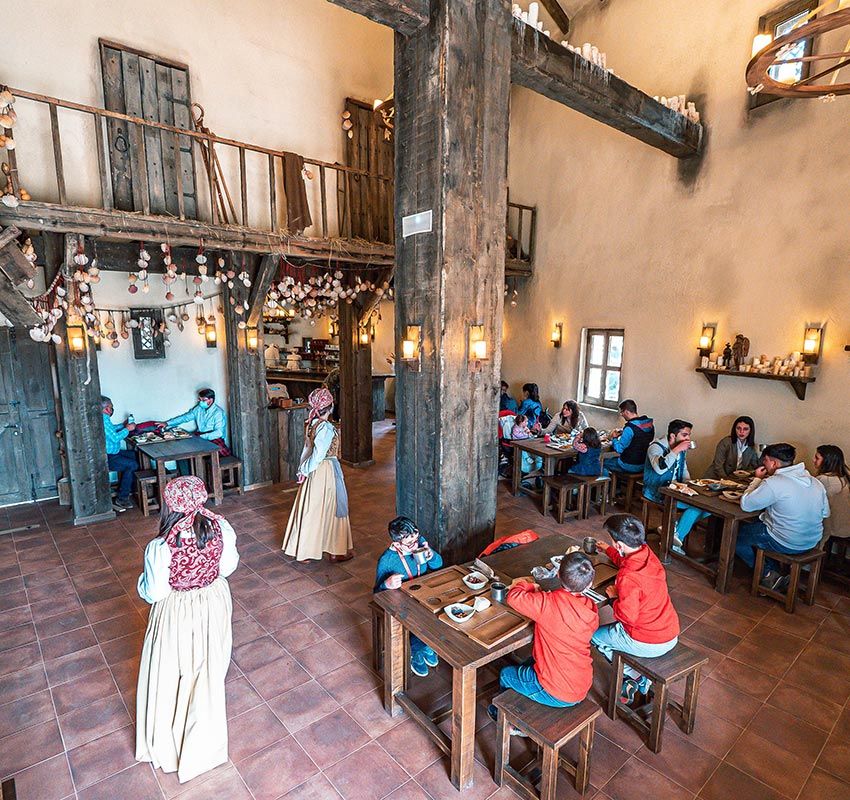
x,y
210,423
123,462
634,440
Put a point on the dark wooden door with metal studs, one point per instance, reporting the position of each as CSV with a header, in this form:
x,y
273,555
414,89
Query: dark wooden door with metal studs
x,y
155,89
29,450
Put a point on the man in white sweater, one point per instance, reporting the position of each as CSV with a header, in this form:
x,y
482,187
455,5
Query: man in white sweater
x,y
793,504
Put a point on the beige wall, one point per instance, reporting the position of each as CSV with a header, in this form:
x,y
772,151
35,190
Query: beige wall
x,y
757,241
274,74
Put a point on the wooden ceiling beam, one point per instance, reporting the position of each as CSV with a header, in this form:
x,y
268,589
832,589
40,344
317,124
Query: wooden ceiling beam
x,y
559,16
404,16
546,67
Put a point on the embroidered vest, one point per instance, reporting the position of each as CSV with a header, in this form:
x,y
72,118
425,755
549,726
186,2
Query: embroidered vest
x,y
192,568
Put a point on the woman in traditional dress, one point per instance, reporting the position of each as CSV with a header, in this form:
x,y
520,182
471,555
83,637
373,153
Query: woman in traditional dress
x,y
181,723
319,520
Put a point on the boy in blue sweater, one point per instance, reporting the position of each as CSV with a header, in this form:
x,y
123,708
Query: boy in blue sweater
x,y
397,565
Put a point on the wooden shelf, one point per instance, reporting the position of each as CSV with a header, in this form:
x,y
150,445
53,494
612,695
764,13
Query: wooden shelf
x,y
797,384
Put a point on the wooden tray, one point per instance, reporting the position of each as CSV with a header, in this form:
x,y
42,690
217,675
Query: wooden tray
x,y
436,590
489,627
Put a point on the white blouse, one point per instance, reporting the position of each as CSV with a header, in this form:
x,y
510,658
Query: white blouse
x,y
556,423
322,441
153,583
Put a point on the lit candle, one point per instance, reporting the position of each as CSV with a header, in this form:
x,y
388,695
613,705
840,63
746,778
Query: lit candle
x,y
407,348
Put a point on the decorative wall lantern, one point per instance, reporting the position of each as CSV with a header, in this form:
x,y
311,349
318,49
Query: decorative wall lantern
x,y
812,342
411,347
76,338
477,344
363,337
210,335
706,340
252,339
557,334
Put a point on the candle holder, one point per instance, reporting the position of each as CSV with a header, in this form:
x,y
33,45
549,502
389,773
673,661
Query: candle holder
x,y
557,334
812,344
411,348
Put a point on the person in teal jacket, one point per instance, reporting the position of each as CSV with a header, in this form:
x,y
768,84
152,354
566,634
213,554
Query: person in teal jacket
x,y
210,423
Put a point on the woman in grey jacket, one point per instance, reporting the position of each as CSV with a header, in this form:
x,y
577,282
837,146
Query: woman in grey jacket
x,y
736,451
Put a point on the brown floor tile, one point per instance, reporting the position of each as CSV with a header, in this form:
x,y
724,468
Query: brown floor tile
x,y
824,672
318,788
279,617
275,770
410,746
303,705
637,779
72,666
240,696
788,732
117,627
728,620
93,721
323,657
682,762
835,758
300,635
19,684
137,782
711,733
223,782
823,786
124,647
366,774
49,780
61,623
727,703
100,758
350,681
66,643
369,713
19,658
14,618
745,678
781,770
332,738
29,746
711,636
258,653
25,712
816,711
252,731
729,782
277,677
411,791
82,691
108,609
17,637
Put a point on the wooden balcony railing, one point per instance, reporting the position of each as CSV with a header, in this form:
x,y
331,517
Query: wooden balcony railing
x,y
521,226
333,197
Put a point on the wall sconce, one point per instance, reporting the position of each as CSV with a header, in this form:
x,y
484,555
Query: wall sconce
x,y
477,344
76,338
706,339
210,334
363,337
812,342
372,331
252,339
557,334
760,41
333,329
411,347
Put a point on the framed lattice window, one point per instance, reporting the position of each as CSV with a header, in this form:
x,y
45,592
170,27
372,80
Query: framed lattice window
x,y
602,360
148,341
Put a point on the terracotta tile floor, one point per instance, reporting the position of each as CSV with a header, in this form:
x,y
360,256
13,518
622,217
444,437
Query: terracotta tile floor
x,y
304,708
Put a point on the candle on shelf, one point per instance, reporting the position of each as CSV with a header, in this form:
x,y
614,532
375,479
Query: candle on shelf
x,y
524,17
704,362
603,60
594,54
586,50
540,25
533,14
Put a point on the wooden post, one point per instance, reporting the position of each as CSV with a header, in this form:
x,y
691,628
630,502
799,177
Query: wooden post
x,y
451,127
247,395
82,418
355,388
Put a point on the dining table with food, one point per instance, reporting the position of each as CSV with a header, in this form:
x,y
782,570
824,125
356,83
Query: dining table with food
x,y
461,612
721,499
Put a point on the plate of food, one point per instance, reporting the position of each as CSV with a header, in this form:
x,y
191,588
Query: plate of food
x,y
742,473
732,497
459,612
475,580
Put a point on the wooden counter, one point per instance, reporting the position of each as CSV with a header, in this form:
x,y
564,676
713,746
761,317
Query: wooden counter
x,y
286,440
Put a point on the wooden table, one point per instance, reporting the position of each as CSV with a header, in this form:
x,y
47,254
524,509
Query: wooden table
x,y
465,656
194,448
731,516
535,447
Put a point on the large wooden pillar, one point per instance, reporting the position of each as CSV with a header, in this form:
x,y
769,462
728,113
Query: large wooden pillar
x,y
452,86
355,388
82,417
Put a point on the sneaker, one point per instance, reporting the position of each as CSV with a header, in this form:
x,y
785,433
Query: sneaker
x,y
430,657
678,546
782,584
772,579
628,691
493,713
419,667
644,684
123,503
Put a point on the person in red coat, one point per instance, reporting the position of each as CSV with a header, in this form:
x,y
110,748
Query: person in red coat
x,y
560,671
646,623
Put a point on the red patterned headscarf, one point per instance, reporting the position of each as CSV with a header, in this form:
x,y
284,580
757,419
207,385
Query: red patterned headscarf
x,y
320,400
187,495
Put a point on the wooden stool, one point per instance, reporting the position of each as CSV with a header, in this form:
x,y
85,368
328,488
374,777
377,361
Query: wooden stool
x,y
813,558
680,662
646,510
835,564
567,487
551,728
631,480
231,474
146,493
377,637
595,494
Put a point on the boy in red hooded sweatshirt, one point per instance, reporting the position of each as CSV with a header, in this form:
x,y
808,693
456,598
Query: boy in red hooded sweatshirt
x,y
646,622
560,671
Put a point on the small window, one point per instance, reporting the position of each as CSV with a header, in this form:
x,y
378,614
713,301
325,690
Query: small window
x,y
777,23
148,341
603,364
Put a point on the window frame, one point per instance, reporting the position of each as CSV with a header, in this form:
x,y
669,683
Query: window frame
x,y
608,333
768,24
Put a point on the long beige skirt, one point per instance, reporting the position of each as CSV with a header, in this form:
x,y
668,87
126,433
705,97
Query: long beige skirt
x,y
181,722
313,527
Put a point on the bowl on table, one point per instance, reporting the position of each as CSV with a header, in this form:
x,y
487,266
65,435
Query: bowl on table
x,y
475,580
732,497
459,612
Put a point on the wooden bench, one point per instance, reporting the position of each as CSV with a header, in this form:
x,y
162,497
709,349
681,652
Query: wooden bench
x,y
811,558
231,474
571,496
681,662
551,728
630,481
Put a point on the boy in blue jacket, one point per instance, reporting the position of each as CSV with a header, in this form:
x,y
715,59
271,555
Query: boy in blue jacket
x,y
397,565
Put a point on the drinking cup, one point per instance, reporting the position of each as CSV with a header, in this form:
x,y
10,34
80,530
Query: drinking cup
x,y
498,591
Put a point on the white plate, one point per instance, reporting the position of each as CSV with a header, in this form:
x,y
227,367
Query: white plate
x,y
467,579
459,612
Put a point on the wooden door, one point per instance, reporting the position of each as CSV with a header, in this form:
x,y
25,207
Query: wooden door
x,y
370,201
29,450
155,89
